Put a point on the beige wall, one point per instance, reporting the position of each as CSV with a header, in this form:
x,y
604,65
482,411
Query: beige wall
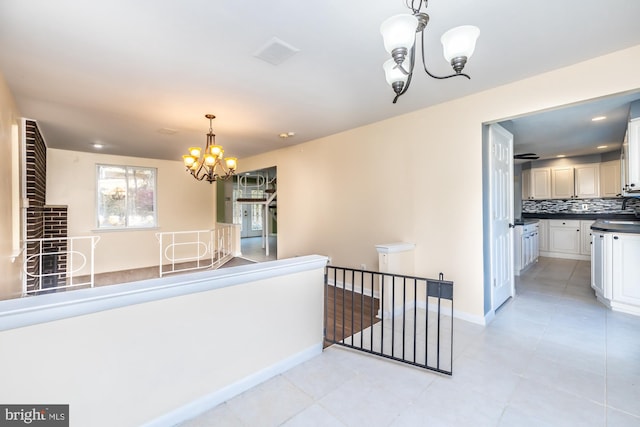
x,y
168,358
418,177
10,278
183,204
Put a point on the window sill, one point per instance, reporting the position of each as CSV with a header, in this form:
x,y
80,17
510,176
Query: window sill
x,y
119,230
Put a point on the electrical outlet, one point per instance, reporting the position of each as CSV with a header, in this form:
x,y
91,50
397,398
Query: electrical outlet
x,y
363,266
585,207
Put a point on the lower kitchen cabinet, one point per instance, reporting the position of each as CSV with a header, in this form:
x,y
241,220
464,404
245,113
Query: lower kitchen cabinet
x,y
526,247
564,236
543,235
625,266
615,270
601,264
585,237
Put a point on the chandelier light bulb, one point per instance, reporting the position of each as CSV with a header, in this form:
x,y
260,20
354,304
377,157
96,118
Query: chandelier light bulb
x,y
393,73
232,163
399,32
460,42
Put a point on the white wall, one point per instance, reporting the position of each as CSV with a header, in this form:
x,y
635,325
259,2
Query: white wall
x,y
183,204
418,177
10,276
164,359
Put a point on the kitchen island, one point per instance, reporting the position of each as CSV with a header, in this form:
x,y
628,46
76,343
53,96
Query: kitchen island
x,y
615,264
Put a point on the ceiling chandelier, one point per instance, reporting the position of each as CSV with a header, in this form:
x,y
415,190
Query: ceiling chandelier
x,y
400,33
211,166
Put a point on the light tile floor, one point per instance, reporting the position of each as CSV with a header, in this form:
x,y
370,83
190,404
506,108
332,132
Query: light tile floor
x,y
252,249
553,356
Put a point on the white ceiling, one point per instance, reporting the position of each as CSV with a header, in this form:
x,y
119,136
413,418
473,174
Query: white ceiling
x,y
120,71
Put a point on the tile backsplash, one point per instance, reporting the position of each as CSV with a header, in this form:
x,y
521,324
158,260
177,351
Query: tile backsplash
x,y
594,206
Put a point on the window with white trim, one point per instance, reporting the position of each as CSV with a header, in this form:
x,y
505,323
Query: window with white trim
x,y
126,197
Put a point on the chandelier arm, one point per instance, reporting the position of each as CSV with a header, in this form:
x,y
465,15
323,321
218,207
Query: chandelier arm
x,y
413,2
412,63
424,65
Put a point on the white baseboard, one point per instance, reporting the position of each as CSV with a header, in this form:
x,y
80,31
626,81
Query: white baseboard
x,y
461,315
209,401
349,287
578,257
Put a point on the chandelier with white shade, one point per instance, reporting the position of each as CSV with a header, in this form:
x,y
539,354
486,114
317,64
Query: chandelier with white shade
x,y
210,164
400,33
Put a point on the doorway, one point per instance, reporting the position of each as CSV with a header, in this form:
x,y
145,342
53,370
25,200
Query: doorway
x,y
253,205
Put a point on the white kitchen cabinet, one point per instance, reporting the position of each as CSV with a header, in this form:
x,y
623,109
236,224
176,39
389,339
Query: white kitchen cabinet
x,y
543,235
587,180
562,186
525,247
525,177
536,184
564,236
610,181
601,264
631,159
585,237
625,268
615,270
580,181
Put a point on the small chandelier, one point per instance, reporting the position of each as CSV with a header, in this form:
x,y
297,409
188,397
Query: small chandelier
x,y
212,166
400,33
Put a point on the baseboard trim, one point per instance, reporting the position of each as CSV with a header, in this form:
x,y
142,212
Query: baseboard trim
x,y
211,400
578,257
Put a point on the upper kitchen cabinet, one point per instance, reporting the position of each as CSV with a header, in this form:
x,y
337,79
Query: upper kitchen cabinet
x,y
587,180
631,160
610,182
580,181
536,184
562,186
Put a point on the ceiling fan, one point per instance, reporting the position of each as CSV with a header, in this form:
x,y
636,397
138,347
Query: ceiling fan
x,y
526,156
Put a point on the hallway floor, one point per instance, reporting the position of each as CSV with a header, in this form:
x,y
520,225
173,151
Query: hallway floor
x,y
553,356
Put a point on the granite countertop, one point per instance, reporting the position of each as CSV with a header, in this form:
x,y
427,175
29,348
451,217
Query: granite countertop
x,y
580,215
524,221
617,226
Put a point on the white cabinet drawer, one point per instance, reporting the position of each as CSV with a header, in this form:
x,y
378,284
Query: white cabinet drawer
x,y
570,223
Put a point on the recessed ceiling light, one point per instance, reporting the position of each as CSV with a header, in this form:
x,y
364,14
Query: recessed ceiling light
x,y
598,118
561,156
98,146
600,147
285,135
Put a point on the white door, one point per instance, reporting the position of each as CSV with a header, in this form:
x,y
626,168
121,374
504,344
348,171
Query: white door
x,y
501,211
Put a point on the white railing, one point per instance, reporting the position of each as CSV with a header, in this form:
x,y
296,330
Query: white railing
x,y
56,263
182,251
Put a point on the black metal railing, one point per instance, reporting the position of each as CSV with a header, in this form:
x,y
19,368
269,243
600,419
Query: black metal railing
x,y
404,318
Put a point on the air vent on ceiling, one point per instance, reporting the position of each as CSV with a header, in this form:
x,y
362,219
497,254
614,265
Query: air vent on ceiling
x,y
276,51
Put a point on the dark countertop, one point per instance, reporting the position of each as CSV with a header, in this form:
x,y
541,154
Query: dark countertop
x,y
524,221
616,228
585,216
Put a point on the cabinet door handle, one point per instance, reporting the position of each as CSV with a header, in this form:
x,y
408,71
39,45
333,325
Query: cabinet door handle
x,y
615,237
